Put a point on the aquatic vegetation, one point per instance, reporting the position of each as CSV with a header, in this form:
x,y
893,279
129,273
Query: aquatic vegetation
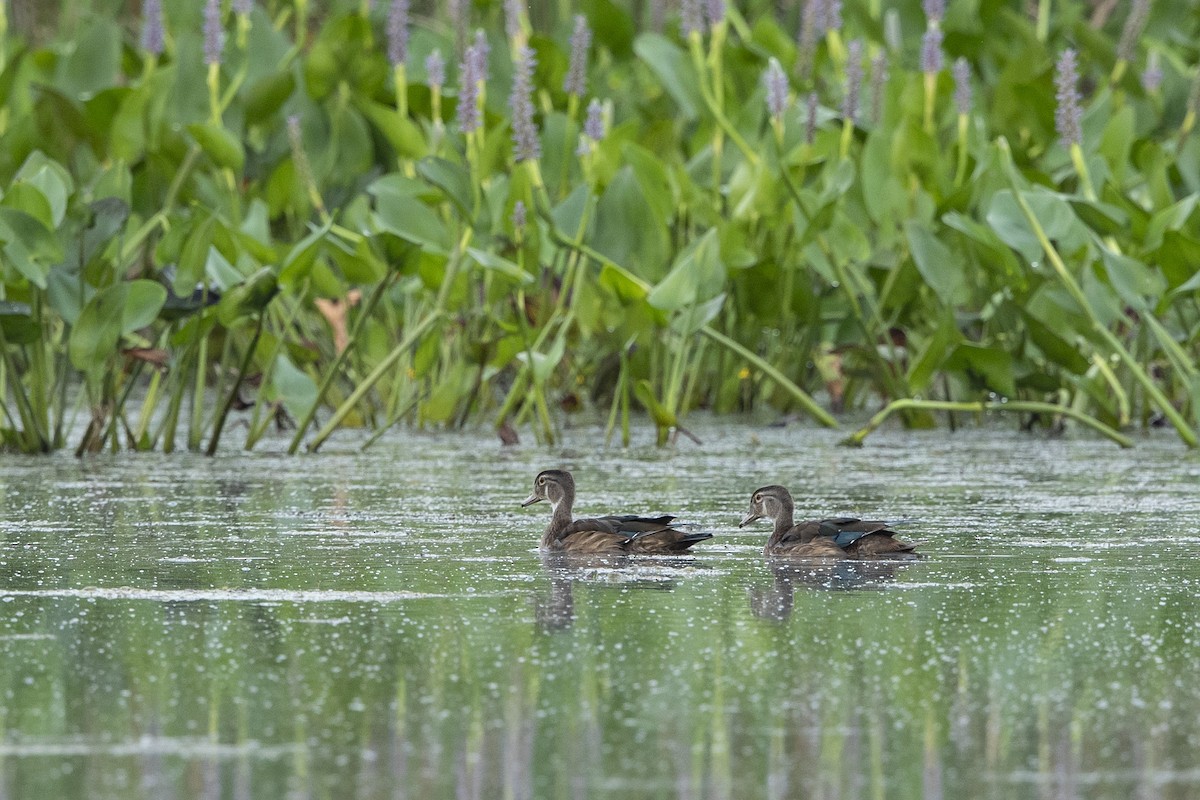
x,y
267,211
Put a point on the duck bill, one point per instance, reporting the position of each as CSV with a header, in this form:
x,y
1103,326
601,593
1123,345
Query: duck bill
x,y
533,498
748,519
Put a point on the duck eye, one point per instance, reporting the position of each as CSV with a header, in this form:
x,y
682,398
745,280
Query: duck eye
x,y
758,498
541,481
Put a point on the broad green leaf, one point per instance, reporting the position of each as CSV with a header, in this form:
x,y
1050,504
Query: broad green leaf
x,y
626,287
933,353
452,179
1133,280
108,315
696,276
1054,346
499,264
990,364
294,388
674,70
52,179
28,246
247,298
411,220
266,96
299,260
942,270
219,144
663,417
627,228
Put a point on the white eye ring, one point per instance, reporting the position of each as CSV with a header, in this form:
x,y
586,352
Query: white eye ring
x,y
541,481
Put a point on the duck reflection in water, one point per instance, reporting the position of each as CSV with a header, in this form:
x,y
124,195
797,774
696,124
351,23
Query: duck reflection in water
x,y
835,575
555,610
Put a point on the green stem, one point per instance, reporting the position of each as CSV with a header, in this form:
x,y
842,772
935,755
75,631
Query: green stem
x,y
223,414
1076,291
856,439
409,341
339,360
805,400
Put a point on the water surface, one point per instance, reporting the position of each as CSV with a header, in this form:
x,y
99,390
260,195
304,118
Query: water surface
x,y
381,625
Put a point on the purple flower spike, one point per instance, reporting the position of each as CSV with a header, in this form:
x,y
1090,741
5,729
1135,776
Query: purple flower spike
x,y
1135,23
435,69
593,126
214,32
483,51
833,15
469,78
518,215
962,86
931,51
153,33
715,11
581,41
526,145
810,30
691,16
854,78
1068,116
397,32
777,89
935,10
243,7
1153,76
879,76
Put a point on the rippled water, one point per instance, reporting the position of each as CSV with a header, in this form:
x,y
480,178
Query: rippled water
x,y
381,625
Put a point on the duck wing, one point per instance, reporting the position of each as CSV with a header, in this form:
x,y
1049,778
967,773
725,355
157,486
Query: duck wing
x,y
845,532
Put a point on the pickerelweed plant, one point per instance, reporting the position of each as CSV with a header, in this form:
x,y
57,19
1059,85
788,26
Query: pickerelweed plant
x,y
226,217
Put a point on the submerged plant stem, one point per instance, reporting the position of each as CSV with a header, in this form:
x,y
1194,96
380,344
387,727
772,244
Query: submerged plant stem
x,y
1034,407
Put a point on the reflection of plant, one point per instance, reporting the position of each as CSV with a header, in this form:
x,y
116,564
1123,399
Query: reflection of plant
x,y
896,254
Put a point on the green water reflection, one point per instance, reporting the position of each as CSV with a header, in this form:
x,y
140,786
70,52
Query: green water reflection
x,y
380,625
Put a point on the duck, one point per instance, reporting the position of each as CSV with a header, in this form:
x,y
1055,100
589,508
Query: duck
x,y
611,535
836,537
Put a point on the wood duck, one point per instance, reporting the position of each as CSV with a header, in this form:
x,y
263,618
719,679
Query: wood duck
x,y
603,535
839,537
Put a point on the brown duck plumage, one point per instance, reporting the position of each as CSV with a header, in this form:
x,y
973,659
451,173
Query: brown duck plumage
x,y
612,535
838,537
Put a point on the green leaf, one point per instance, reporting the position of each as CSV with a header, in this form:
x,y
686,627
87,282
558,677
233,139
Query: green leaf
x,y
294,388
499,264
992,365
1054,347
674,70
28,246
933,353
411,220
247,298
267,95
697,275
107,316
219,144
1133,280
452,179
942,271
663,417
299,260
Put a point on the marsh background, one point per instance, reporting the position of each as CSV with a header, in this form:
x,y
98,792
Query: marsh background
x,y
280,226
